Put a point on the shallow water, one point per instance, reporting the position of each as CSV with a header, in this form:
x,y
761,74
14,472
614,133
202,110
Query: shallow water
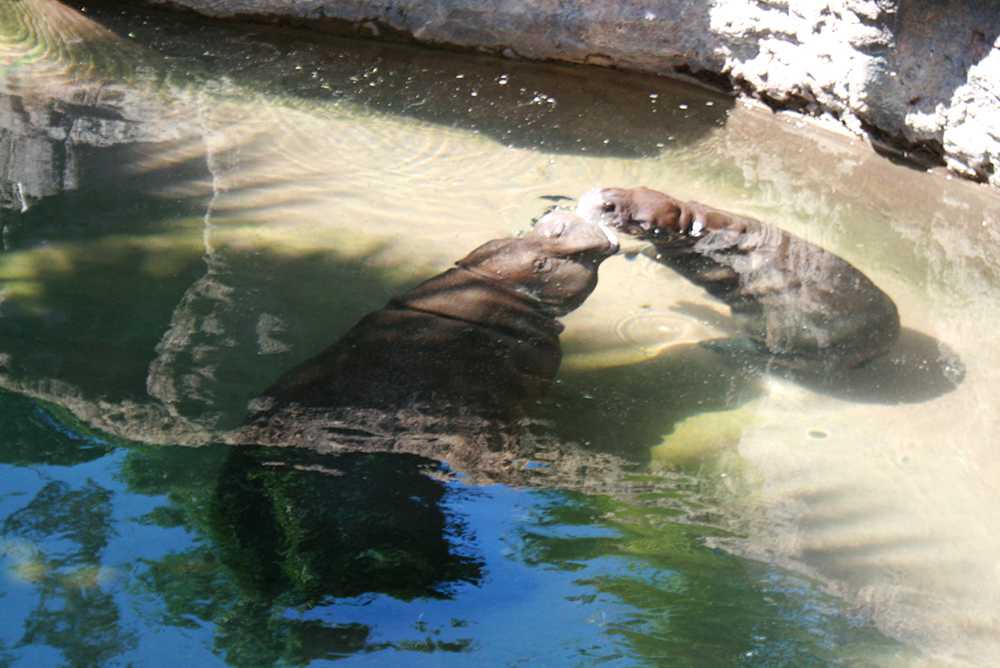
x,y
192,209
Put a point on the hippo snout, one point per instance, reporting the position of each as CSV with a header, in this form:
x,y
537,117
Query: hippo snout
x,y
573,235
639,212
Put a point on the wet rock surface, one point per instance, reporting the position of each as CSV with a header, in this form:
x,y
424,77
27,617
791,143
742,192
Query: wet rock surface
x,y
912,75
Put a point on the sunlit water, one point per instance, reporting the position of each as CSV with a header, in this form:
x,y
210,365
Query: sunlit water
x,y
191,209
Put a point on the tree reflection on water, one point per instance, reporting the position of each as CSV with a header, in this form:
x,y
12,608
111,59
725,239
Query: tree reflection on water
x,y
283,530
55,541
263,556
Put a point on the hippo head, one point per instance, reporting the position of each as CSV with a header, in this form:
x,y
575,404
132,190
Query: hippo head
x,y
635,211
555,263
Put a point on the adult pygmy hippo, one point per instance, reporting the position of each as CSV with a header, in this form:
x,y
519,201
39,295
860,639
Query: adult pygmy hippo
x,y
803,305
480,340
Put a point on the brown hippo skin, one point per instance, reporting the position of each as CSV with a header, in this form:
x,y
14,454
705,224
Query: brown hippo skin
x,y
480,340
800,304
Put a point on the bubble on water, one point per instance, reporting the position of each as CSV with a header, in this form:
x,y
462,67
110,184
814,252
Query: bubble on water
x,y
682,106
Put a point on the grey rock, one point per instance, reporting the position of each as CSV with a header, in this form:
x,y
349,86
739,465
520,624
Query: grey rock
x,y
907,73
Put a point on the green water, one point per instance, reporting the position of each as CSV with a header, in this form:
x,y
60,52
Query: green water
x,y
189,209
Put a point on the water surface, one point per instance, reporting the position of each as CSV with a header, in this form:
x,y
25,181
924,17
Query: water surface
x,y
190,209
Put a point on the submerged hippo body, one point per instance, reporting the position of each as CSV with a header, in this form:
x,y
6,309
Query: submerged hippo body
x,y
799,303
474,343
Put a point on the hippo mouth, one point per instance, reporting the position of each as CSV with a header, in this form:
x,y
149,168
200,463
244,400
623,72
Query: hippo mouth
x,y
611,236
601,222
595,209
599,207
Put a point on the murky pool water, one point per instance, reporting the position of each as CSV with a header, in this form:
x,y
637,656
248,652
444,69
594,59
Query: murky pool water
x,y
190,209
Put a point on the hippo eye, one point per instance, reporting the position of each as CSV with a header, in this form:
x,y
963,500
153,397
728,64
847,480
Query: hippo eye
x,y
607,207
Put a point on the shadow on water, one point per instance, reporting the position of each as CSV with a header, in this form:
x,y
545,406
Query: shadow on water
x,y
57,290
120,188
201,341
560,108
916,368
634,406
196,323
630,410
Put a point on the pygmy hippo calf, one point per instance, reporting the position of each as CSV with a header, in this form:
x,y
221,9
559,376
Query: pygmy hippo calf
x,y
800,304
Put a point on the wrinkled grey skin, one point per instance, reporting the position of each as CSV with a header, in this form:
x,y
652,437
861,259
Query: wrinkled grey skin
x,y
480,339
800,304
